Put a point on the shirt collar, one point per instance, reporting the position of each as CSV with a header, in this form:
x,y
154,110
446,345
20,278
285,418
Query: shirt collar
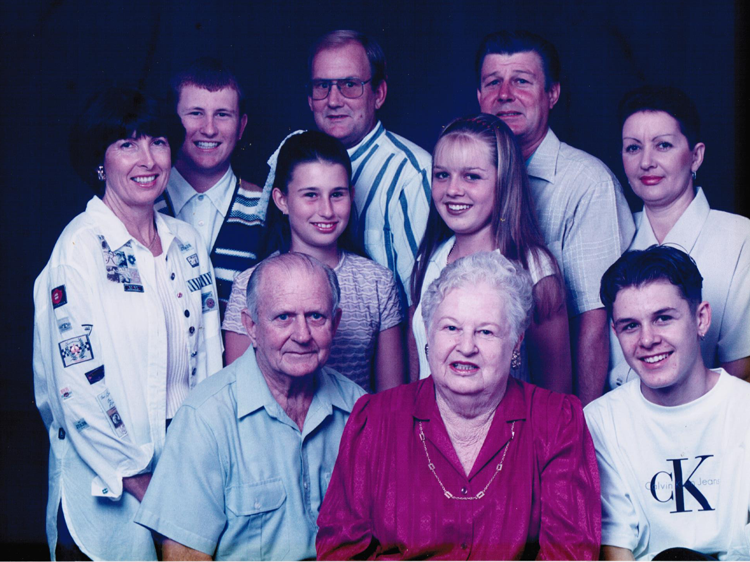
x,y
543,163
512,407
220,194
685,232
114,230
253,392
364,145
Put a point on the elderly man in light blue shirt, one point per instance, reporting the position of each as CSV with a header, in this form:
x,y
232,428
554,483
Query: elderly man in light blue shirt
x,y
249,456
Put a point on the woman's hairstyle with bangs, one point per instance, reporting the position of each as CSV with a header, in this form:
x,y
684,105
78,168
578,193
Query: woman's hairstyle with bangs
x,y
113,114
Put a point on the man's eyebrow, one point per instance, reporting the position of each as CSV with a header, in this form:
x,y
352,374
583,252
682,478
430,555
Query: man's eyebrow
x,y
663,310
620,321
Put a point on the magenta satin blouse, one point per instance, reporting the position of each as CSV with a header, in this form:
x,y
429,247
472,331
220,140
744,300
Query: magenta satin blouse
x,y
384,502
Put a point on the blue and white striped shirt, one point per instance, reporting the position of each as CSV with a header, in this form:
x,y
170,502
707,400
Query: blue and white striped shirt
x,y
391,178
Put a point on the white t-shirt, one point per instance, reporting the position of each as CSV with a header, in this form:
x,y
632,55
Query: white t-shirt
x,y
675,476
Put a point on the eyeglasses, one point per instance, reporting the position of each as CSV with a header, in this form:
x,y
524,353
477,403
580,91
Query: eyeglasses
x,y
351,88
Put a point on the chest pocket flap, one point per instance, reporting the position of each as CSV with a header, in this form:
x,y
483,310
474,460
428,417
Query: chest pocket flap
x,y
259,497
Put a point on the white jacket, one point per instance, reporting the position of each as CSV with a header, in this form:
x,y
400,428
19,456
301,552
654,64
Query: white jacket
x,y
100,363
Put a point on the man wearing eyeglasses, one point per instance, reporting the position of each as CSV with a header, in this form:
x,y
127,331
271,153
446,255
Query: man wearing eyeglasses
x,y
391,175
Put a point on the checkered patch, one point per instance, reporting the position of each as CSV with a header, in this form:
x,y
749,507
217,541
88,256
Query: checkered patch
x,y
75,350
193,260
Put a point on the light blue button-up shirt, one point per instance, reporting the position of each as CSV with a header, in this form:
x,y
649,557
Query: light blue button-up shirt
x,y
238,480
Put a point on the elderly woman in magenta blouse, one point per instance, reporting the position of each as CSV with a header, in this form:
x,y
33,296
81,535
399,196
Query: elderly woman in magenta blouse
x,y
468,463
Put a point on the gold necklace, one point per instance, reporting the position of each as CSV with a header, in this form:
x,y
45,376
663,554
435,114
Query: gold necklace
x,y
481,494
153,238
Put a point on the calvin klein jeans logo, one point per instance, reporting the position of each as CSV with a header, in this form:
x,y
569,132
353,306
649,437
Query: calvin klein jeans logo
x,y
679,485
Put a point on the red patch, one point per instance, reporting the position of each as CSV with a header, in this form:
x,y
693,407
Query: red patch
x,y
59,297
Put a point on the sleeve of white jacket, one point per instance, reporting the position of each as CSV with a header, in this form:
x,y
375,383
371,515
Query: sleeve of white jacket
x,y
71,374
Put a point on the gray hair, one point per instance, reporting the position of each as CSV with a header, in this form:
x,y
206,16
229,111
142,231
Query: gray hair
x,y
512,282
341,38
291,261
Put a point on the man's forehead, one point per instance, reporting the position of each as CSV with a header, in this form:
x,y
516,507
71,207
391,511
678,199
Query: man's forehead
x,y
290,284
648,297
349,58
226,95
528,61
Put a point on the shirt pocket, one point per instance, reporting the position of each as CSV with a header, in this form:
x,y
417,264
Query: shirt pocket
x,y
257,525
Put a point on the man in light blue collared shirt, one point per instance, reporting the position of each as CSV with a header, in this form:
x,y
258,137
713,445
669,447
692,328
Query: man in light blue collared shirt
x,y
249,456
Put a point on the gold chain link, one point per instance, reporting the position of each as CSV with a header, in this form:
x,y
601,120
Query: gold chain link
x,y
481,494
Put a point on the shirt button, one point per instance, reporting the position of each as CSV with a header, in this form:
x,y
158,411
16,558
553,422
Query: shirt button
x,y
191,330
193,373
172,277
464,490
61,434
201,223
464,545
200,198
193,354
179,295
187,314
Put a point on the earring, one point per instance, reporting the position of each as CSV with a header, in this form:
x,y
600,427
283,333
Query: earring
x,y
701,336
515,360
100,173
695,176
426,350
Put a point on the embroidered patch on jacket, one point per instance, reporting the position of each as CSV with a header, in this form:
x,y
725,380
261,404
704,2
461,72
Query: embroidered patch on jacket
x,y
81,424
185,247
66,393
75,350
198,283
193,260
59,296
63,324
208,301
113,416
121,266
95,375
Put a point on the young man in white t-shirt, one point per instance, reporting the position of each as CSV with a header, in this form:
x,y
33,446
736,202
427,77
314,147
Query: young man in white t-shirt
x,y
674,446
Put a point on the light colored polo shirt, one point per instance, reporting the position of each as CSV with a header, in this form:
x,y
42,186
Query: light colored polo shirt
x,y
238,480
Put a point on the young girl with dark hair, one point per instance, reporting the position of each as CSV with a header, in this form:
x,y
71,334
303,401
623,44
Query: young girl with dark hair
x,y
313,200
